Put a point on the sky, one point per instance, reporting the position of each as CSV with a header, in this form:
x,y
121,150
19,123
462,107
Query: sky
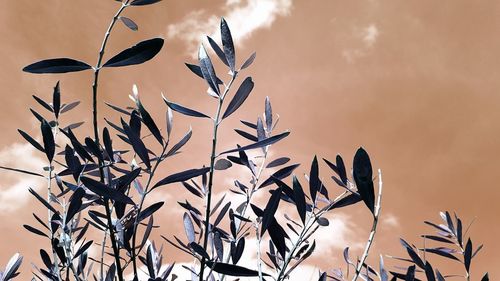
x,y
413,82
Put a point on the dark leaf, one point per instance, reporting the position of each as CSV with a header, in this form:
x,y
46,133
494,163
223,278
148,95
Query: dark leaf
x,y
443,253
280,174
199,250
137,144
227,43
59,65
105,191
278,162
300,199
12,266
222,164
233,270
108,143
29,139
43,201
149,122
149,211
184,110
22,171
181,143
43,103
346,201
137,54
362,173
35,231
270,210
82,249
217,50
69,107
485,277
262,143
143,2
56,100
48,140
468,255
246,135
429,272
75,204
410,274
182,176
197,70
207,69
314,183
240,96
129,23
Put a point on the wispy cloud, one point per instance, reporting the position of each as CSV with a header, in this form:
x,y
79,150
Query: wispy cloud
x,y
13,187
244,18
366,38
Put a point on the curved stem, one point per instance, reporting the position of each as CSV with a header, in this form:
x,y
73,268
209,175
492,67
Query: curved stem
x,y
143,198
371,237
97,68
211,174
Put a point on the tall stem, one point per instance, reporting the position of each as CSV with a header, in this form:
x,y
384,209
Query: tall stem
x,y
116,251
371,237
211,174
143,198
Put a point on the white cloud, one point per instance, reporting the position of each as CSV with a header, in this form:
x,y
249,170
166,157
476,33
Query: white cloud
x,y
243,17
14,186
390,220
365,39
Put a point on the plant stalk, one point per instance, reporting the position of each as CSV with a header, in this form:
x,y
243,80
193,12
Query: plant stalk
x,y
371,237
116,250
211,173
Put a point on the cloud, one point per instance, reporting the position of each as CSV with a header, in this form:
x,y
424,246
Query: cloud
x,y
13,187
390,220
366,38
243,17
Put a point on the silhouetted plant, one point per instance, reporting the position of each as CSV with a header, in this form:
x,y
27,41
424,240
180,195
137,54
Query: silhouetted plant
x,y
97,188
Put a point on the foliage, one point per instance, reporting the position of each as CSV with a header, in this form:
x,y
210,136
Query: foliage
x,y
99,188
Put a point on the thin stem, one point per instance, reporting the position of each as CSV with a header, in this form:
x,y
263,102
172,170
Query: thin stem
x,y
143,198
97,68
259,258
211,173
371,237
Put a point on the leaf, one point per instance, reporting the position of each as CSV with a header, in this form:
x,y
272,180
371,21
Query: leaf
x,y
182,176
108,143
149,211
149,122
83,248
34,230
268,113
58,65
280,174
189,228
29,139
346,201
222,213
222,164
12,267
249,61
43,201
129,23
441,252
181,143
240,97
75,204
143,2
137,144
468,255
410,274
300,199
48,140
429,272
184,110
137,54
314,183
270,210
56,100
362,173
217,50
207,70
197,70
77,145
105,191
233,270
227,43
69,106
22,171
486,277
43,103
262,143
199,250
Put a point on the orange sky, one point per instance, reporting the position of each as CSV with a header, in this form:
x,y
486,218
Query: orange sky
x,y
413,82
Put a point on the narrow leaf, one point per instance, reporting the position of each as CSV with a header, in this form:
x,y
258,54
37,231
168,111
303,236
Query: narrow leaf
x,y
137,54
59,65
240,96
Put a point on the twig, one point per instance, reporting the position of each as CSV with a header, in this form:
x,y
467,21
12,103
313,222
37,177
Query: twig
x,y
211,173
116,250
371,237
